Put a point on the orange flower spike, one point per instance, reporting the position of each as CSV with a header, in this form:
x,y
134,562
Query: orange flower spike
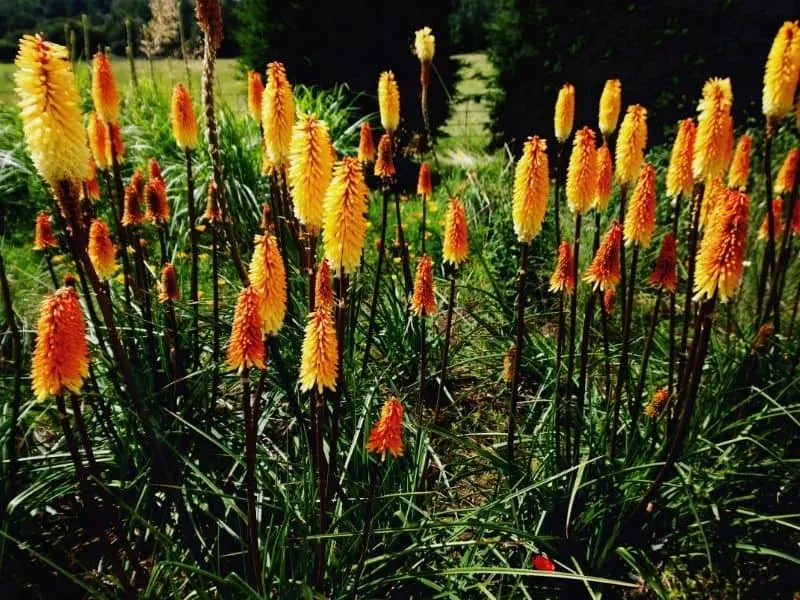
x,y
60,355
795,223
311,160
713,196
423,300
246,346
631,143
91,185
98,141
605,178
154,170
680,180
102,251
170,291
277,115
740,165
531,181
456,235
657,403
604,272
607,301
134,194
114,137
344,224
184,121
44,237
386,436
640,219
424,185
155,199
319,363
384,165
323,292
610,106
713,142
582,172
777,215
255,92
389,102
366,145
268,278
212,214
720,259
784,182
563,278
104,89
781,72
209,17
665,275
565,112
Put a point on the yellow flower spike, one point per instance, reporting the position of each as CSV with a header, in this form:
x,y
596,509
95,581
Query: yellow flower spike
x,y
319,362
531,182
640,219
456,235
713,142
268,278
720,258
424,44
49,110
386,436
104,89
255,92
680,181
345,225
610,106
605,178
277,115
60,355
565,112
423,300
184,122
98,140
740,165
102,251
777,215
582,172
114,136
781,72
310,170
784,182
389,102
713,196
246,345
631,143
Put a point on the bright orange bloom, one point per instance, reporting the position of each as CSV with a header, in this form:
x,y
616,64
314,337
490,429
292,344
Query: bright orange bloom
x,y
114,140
104,88
49,110
213,214
345,224
155,199
605,178
563,278
384,165
323,292
607,300
740,165
531,181
781,72
366,145
184,122
102,250
268,278
91,187
508,363
154,169
389,102
170,291
604,272
423,301
720,259
657,403
424,186
610,106
713,143
640,220
209,17
456,236
680,180
98,141
795,224
311,159
784,182
713,196
60,356
277,115
565,112
665,275
319,363
255,92
134,194
777,215
387,434
582,172
246,346
631,142
44,237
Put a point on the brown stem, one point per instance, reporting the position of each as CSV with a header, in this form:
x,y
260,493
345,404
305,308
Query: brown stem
x,y
375,478
586,336
319,410
215,346
778,275
446,348
518,342
648,345
49,261
423,360
768,264
118,210
558,409
606,351
573,314
401,238
696,208
794,311
336,397
250,432
194,350
672,308
557,195
373,307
